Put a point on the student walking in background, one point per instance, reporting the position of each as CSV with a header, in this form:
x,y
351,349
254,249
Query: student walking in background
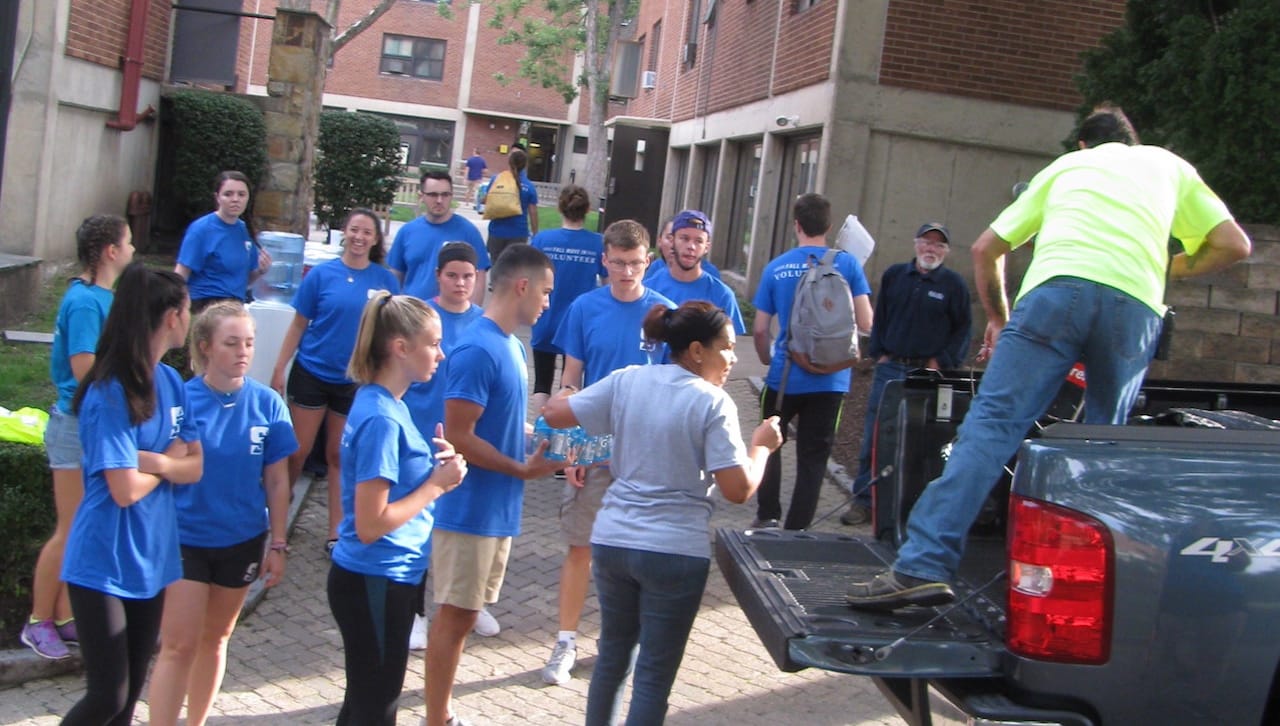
x,y
104,245
223,519
675,436
138,442
218,256
390,478
515,228
328,306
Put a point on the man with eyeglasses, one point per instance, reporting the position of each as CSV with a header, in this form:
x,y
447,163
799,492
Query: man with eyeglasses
x,y
413,252
814,393
686,279
922,320
601,333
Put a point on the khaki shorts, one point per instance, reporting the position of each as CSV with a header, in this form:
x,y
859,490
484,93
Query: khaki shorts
x,y
467,569
578,507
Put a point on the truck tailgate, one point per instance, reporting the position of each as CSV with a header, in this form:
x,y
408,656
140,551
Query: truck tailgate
x,y
791,586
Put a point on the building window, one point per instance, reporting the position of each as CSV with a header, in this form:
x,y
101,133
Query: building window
x,y
655,46
579,144
417,57
803,5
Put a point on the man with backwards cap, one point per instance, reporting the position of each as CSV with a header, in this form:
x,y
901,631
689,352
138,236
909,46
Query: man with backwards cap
x,y
685,279
922,320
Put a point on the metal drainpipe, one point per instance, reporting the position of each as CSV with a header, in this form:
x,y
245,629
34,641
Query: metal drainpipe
x,y
128,117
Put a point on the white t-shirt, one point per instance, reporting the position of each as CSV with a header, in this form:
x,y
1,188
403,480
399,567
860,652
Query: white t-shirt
x,y
671,430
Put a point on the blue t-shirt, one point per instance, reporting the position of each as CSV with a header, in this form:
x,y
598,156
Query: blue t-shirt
x,y
706,287
241,434
132,551
660,264
379,441
426,400
607,334
220,257
774,296
577,256
517,226
489,369
332,298
417,245
475,167
81,315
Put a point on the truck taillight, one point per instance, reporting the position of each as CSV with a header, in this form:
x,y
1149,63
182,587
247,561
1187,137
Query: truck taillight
x,y
1060,584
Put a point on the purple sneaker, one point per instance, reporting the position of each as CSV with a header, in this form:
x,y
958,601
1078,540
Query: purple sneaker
x,y
42,637
67,631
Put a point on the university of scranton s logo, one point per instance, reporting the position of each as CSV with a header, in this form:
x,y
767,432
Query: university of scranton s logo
x,y
1221,549
257,435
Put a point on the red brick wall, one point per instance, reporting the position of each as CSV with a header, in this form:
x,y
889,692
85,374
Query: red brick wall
x,y
518,96
480,136
805,43
743,53
98,31
1001,50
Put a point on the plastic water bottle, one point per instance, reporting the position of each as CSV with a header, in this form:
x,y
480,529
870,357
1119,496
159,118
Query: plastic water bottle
x,y
287,251
541,432
603,449
561,448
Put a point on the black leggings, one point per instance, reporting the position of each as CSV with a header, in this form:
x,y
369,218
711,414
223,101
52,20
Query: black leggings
x,y
374,615
544,370
117,639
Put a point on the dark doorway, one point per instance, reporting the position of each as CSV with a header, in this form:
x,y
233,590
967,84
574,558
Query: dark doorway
x,y
637,170
8,32
542,152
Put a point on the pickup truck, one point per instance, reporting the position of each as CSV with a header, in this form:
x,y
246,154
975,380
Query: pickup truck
x,y
1118,574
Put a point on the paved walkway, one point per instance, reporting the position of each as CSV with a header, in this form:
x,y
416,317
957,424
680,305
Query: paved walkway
x,y
285,660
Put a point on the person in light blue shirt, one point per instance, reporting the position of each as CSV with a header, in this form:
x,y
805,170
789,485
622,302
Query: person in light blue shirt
x,y
686,280
104,245
813,393
327,307
390,479
577,255
138,443
603,332
515,230
676,437
414,250
218,256
486,396
223,519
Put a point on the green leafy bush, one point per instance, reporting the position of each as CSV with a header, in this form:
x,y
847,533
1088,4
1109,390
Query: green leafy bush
x,y
357,164
213,132
27,518
1196,78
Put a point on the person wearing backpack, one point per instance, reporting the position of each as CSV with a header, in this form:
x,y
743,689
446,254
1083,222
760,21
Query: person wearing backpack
x,y
511,205
923,320
812,384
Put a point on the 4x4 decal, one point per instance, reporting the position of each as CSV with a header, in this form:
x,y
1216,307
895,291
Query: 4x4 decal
x,y
1220,549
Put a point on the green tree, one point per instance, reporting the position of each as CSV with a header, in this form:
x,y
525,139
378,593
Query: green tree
x,y
357,164
550,38
1200,77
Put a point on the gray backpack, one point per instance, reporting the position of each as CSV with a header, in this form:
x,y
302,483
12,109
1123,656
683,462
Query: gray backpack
x,y
822,324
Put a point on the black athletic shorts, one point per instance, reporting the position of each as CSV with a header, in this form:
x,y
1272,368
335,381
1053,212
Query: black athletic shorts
x,y
234,566
307,391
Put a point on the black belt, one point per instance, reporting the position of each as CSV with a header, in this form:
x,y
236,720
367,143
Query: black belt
x,y
910,362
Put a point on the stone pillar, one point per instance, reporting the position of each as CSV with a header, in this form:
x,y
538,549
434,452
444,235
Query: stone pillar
x,y
295,84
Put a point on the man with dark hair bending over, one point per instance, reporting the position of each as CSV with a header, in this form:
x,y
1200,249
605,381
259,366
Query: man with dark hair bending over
x,y
1094,293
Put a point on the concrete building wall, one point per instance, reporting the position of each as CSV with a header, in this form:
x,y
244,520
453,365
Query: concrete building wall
x,y
62,162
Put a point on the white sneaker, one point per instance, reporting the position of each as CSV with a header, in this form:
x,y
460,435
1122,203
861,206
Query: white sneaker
x,y
558,667
486,625
418,635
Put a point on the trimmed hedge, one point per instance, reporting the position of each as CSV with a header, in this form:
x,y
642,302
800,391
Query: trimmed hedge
x,y
357,164
27,519
214,132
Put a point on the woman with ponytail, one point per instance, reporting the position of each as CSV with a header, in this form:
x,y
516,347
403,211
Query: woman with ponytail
x,y
390,478
138,442
649,547
104,245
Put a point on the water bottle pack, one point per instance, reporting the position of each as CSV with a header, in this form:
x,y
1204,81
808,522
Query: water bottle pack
x,y
571,444
281,281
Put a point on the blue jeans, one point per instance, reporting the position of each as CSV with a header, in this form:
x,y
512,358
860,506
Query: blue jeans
x,y
886,373
649,600
1061,321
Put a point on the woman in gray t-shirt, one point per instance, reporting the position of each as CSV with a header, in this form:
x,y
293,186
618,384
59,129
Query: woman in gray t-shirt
x,y
676,435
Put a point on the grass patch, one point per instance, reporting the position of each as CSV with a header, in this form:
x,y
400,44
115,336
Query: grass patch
x,y
549,218
26,379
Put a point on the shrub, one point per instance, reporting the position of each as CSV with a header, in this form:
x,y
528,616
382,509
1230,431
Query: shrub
x,y
27,518
357,164
214,132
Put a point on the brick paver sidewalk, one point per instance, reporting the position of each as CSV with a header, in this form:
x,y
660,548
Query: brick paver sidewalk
x,y
285,661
